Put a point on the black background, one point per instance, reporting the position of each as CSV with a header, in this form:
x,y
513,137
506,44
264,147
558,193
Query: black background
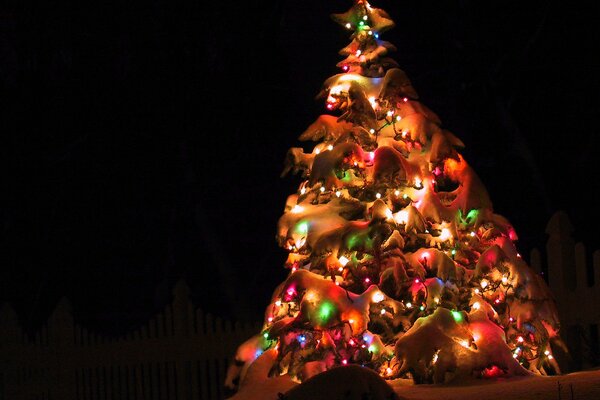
x,y
143,140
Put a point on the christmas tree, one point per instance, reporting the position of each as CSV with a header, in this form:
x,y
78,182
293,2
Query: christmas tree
x,y
397,260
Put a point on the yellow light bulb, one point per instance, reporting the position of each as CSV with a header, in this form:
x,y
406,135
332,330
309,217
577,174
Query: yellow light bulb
x,y
373,102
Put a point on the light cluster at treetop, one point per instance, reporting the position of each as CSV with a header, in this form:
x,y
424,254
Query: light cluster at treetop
x,y
397,260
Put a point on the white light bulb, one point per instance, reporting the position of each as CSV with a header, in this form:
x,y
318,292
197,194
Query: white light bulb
x,y
378,297
365,17
401,217
484,283
343,261
338,193
317,151
297,209
476,305
396,193
322,189
408,305
445,235
330,147
388,214
390,113
349,25
378,195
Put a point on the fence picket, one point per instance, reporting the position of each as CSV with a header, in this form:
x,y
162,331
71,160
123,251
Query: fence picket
x,y
172,380
163,381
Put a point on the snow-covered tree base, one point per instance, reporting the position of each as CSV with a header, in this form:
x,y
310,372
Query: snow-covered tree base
x,y
353,382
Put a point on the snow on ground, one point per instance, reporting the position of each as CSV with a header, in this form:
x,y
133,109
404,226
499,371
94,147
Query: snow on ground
x,y
351,383
582,385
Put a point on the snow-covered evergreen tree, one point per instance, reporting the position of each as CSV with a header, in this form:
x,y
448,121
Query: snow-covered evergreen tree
x,y
397,260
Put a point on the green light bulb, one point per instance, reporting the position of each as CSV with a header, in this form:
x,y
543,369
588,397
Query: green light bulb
x,y
457,316
302,228
326,311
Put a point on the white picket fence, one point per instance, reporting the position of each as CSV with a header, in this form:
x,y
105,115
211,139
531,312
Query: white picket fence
x,y
574,278
180,354
183,354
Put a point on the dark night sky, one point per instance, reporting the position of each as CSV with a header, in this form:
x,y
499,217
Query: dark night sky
x,y
145,138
